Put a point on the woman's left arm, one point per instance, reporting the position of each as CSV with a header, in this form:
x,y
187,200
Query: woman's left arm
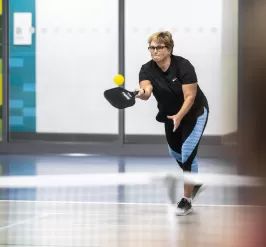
x,y
190,92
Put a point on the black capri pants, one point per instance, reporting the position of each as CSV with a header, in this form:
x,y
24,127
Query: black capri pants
x,y
183,143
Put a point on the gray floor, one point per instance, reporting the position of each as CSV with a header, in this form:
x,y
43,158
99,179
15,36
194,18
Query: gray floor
x,y
135,215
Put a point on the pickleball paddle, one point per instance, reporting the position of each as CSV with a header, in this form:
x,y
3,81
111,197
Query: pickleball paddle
x,y
120,98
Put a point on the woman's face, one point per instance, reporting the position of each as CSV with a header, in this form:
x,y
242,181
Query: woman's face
x,y
159,52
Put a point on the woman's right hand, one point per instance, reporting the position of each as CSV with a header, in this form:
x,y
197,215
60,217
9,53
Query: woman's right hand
x,y
144,94
141,92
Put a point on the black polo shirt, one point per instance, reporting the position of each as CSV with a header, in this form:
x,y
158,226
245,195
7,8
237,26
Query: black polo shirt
x,y
167,87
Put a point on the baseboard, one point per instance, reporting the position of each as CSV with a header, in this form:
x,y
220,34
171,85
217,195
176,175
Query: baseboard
x,y
133,150
229,139
101,138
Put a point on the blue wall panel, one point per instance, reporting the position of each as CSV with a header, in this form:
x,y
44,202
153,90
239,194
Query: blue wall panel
x,y
22,74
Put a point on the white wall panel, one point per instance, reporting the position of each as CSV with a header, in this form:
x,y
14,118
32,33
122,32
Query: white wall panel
x,y
77,58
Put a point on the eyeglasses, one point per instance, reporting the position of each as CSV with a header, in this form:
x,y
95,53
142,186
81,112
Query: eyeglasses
x,y
158,48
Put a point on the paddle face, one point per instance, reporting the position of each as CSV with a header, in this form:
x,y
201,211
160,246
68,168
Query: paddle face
x,y
120,98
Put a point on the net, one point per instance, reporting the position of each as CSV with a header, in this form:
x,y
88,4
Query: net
x,y
129,209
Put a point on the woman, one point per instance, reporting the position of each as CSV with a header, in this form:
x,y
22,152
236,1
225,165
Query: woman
x,y
183,108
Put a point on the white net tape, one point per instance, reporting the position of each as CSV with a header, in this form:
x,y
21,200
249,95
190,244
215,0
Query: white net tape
x,y
127,179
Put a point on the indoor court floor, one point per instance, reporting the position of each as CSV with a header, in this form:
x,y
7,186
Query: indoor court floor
x,y
130,215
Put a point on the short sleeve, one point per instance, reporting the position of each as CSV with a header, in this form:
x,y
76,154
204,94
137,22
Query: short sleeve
x,y
143,75
187,73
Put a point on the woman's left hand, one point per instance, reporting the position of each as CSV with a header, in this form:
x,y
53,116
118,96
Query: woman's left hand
x,y
176,120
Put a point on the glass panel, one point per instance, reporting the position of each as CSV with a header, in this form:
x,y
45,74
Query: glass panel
x,y
62,58
1,68
207,37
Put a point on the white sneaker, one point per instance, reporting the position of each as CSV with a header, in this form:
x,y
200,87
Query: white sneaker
x,y
184,207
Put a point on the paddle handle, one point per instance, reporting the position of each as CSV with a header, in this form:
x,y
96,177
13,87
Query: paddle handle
x,y
135,93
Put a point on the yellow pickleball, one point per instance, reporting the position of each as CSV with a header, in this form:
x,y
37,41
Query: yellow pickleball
x,y
119,80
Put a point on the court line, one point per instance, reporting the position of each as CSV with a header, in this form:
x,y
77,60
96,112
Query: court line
x,y
129,203
80,155
23,222
103,224
110,215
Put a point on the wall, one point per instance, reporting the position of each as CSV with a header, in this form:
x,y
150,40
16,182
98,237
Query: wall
x,y
229,66
76,57
70,61
77,49
22,72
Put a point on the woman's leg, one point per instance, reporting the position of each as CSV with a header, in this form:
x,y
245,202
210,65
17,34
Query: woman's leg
x,y
183,145
174,140
177,156
191,134
191,140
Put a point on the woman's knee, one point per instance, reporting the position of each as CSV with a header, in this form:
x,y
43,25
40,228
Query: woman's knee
x,y
175,154
191,165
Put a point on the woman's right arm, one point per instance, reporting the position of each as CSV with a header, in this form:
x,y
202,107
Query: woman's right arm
x,y
145,86
145,90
